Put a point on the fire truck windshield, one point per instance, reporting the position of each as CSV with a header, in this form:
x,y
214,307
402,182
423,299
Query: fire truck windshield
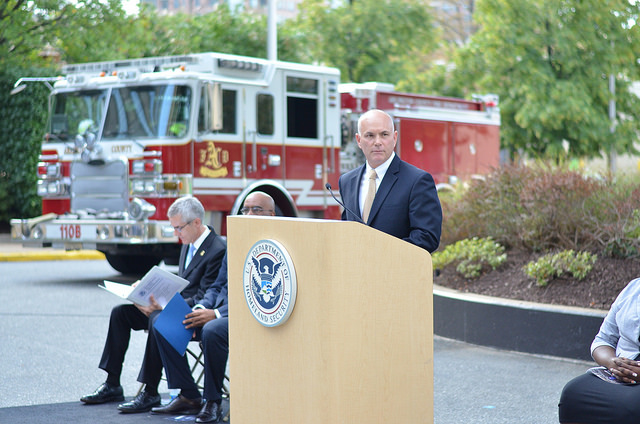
x,y
133,112
74,113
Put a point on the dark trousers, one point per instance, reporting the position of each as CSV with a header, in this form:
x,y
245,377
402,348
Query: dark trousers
x,y
125,318
588,400
215,346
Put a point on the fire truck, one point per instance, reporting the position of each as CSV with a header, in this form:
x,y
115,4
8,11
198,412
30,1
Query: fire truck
x,y
124,139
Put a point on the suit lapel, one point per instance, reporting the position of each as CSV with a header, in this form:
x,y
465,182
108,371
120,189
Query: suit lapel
x,y
389,180
183,254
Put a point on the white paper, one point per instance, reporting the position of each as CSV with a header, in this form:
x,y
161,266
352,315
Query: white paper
x,y
119,289
162,284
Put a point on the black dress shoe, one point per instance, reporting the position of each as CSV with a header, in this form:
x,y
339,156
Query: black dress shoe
x,y
103,394
211,412
180,406
141,403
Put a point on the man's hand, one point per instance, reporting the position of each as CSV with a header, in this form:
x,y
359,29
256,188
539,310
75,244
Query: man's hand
x,y
153,306
199,318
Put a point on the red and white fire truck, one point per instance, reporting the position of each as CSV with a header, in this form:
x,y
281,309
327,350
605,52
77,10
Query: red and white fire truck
x,y
126,138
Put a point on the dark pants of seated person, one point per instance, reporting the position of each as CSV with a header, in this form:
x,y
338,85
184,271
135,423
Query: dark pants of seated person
x,y
125,318
589,400
215,345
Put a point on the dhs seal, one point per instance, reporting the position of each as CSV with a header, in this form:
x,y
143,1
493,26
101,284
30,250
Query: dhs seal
x,y
269,282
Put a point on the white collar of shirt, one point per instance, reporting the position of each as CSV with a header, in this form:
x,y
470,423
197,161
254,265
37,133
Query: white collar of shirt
x,y
204,235
381,170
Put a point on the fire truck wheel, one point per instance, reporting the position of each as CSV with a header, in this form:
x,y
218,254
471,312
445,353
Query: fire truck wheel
x,y
132,264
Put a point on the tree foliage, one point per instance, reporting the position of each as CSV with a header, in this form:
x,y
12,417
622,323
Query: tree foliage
x,y
549,60
367,40
114,35
24,25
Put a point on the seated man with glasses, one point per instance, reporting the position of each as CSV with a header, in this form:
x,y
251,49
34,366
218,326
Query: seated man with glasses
x,y
258,203
210,321
200,260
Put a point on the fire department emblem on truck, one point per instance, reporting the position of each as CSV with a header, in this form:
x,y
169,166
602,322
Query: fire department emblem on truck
x,y
269,283
213,159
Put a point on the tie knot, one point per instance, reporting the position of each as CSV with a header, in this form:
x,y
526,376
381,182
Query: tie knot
x,y
372,174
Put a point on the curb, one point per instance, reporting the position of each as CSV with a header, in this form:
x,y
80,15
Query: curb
x,y
519,326
55,255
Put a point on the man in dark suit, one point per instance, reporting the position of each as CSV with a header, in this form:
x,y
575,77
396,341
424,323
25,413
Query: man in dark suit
x,y
397,197
210,320
200,260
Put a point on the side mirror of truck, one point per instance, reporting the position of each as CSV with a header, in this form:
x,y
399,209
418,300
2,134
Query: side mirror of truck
x,y
215,106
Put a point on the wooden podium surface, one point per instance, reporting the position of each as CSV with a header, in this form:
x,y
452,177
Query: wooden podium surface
x,y
358,346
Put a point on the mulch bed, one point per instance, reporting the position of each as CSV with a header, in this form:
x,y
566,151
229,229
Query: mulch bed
x,y
597,290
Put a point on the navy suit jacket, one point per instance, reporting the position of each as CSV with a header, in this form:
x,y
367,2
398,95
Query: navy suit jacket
x,y
216,295
203,268
406,203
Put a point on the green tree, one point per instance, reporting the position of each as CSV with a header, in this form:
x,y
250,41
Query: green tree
x,y
99,30
23,25
550,60
367,40
23,29
149,34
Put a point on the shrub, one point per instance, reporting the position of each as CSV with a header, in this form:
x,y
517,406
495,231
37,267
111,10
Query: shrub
x,y
485,208
541,208
553,265
471,256
23,117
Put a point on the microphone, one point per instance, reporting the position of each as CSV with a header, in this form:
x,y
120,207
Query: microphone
x,y
328,187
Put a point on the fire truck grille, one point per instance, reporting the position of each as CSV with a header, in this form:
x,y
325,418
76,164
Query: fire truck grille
x,y
103,187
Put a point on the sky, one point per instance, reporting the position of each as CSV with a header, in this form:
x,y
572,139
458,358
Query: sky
x,y
130,6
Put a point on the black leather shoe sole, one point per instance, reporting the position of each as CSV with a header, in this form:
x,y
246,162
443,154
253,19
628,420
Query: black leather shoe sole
x,y
96,401
103,394
91,401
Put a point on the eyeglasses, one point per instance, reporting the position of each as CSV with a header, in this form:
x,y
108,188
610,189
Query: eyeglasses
x,y
255,209
181,227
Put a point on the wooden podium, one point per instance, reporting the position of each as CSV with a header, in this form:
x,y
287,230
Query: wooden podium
x,y
358,346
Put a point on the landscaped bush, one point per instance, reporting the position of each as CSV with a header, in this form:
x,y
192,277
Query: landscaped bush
x,y
554,265
539,208
471,256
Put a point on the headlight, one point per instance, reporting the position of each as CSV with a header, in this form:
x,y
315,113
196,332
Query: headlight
x,y
141,209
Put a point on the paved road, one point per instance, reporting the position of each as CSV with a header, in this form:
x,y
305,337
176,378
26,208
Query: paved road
x,y
54,319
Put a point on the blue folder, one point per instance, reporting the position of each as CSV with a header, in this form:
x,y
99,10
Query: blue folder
x,y
169,324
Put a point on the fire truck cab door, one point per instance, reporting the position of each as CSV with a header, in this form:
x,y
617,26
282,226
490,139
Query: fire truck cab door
x,y
304,132
263,147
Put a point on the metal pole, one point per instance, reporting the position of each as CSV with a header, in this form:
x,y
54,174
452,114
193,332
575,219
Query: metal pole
x,y
272,31
612,128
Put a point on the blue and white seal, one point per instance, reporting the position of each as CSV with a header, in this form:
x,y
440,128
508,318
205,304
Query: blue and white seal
x,y
269,282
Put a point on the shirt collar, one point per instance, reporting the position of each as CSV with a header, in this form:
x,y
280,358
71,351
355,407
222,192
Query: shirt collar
x,y
200,240
381,170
